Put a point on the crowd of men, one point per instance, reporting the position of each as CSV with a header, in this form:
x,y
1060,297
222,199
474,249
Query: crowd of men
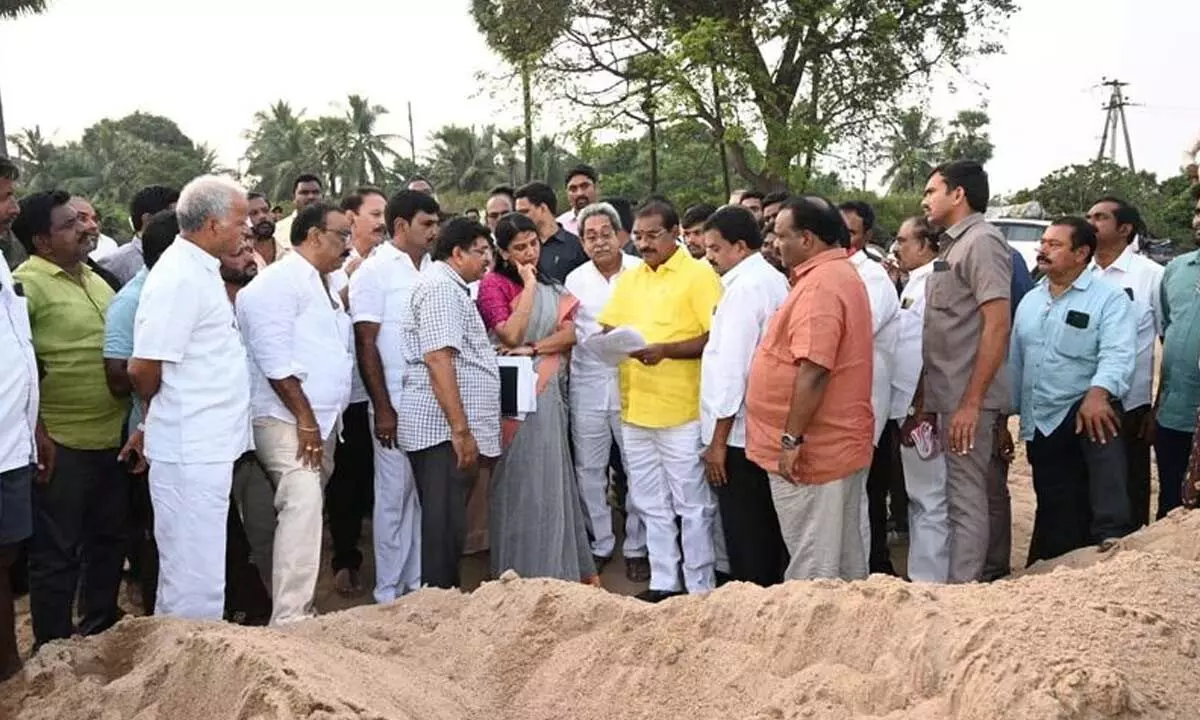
x,y
198,402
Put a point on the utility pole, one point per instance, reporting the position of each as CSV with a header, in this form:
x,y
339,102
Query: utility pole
x,y
1115,115
412,141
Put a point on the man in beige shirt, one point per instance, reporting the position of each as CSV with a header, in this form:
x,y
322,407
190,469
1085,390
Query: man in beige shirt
x,y
306,190
965,342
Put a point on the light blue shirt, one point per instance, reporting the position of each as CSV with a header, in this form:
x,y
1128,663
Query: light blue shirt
x,y
1061,347
1180,381
118,331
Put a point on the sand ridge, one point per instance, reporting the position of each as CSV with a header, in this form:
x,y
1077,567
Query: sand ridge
x,y
1109,635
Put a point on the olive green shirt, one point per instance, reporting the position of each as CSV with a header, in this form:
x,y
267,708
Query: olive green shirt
x,y
67,319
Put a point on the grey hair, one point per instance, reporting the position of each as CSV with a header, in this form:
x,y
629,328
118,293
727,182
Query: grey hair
x,y
208,197
601,209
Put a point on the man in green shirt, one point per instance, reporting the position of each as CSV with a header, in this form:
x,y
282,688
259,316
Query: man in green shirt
x,y
79,511
1179,385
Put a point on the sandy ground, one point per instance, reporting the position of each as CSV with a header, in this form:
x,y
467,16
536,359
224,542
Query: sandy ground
x,y
1091,635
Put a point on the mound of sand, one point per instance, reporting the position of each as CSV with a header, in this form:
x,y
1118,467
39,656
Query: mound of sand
x,y
1097,636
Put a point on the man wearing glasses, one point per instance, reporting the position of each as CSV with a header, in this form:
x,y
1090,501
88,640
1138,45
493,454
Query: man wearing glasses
x,y
500,203
297,335
669,299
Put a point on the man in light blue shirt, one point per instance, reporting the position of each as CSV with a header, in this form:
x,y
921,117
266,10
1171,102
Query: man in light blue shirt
x,y
1071,358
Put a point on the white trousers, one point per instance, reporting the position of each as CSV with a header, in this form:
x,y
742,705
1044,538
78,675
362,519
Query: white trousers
x,y
593,433
666,480
928,517
396,523
821,527
299,502
191,508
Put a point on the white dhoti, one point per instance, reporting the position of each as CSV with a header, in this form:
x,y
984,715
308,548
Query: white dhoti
x,y
396,523
821,527
191,508
666,480
299,502
928,517
593,433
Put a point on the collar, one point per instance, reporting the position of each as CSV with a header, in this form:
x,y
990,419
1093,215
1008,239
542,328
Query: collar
x,y
753,263
303,266
561,235
926,269
444,268
1122,263
674,263
960,228
38,264
859,257
826,256
388,251
1081,283
197,254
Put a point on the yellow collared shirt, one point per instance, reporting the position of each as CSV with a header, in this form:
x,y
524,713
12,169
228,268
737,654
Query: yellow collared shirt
x,y
672,303
67,319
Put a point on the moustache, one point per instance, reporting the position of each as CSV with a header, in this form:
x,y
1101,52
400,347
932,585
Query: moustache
x,y
264,228
1042,259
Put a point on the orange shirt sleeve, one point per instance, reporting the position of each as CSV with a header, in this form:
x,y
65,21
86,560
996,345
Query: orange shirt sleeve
x,y
816,326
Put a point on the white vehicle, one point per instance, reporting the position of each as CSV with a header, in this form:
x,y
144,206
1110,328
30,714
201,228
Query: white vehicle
x,y
1024,235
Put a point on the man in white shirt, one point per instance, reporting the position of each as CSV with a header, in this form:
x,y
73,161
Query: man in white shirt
x,y
1117,224
127,260
924,477
22,441
596,394
348,496
379,304
885,305
298,335
753,292
190,368
500,203
306,190
583,188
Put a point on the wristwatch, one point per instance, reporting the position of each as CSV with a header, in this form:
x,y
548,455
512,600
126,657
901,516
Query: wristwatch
x,y
791,442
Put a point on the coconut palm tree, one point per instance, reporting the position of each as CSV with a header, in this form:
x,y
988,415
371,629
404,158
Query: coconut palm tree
x,y
367,151
464,159
281,147
911,150
33,152
10,9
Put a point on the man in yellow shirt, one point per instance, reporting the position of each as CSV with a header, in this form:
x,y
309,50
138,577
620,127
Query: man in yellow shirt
x,y
79,510
670,300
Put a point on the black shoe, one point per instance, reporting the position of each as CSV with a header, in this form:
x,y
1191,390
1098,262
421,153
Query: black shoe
x,y
723,578
656,596
637,569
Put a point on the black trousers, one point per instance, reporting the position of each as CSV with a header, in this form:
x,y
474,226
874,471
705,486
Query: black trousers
x,y
885,465
78,529
247,601
442,489
1081,490
1172,449
1137,460
753,540
351,490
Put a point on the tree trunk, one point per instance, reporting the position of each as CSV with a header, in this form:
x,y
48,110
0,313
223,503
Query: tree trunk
x,y
527,101
652,127
3,134
720,138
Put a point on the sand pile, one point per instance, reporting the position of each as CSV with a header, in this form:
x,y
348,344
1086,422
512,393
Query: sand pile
x,y
1114,637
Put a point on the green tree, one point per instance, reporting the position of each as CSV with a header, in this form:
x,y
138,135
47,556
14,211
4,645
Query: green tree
x,y
463,159
804,75
10,10
506,147
367,150
522,32
911,151
968,138
281,147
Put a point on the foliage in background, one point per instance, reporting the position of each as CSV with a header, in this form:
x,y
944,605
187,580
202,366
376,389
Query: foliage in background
x,y
112,161
1166,207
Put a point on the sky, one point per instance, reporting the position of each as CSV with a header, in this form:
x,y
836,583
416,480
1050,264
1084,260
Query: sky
x,y
210,66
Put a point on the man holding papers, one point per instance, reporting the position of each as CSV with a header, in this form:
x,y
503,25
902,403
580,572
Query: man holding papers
x,y
669,299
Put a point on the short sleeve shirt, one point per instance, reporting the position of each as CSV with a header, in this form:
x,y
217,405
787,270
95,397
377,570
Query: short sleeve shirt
x,y
973,268
442,315
825,320
671,303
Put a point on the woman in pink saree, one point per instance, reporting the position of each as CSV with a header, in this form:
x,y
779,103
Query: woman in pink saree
x,y
536,525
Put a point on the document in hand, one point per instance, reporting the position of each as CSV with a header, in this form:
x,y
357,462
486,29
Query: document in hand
x,y
615,345
518,386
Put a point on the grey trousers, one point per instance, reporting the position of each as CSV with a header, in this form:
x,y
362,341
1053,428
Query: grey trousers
x,y
967,498
822,527
254,496
999,552
442,489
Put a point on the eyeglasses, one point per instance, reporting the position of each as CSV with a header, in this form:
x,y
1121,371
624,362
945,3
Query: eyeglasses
x,y
343,235
653,236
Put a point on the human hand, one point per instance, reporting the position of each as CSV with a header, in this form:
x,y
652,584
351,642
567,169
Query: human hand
x,y
649,355
528,274
133,450
714,461
1097,418
788,462
45,452
309,448
385,425
963,426
466,450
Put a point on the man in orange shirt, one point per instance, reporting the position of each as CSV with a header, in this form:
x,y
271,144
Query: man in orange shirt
x,y
808,405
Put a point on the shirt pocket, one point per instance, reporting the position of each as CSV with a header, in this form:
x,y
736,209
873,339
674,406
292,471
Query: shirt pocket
x,y
939,290
1077,343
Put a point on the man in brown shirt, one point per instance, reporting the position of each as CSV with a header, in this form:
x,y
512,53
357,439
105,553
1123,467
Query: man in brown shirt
x,y
967,322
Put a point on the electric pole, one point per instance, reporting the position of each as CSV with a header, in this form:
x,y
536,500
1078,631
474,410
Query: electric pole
x,y
1114,116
